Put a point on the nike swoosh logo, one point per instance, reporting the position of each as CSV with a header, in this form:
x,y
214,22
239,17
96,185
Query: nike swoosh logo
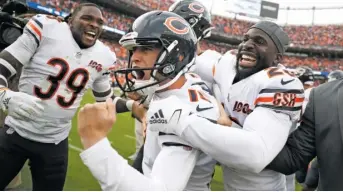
x,y
203,109
286,82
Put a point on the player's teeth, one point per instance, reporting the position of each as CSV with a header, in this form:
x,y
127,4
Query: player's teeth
x,y
248,57
91,33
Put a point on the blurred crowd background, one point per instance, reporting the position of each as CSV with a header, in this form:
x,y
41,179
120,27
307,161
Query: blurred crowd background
x,y
328,36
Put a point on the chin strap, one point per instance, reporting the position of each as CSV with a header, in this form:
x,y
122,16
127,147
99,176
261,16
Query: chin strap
x,y
183,71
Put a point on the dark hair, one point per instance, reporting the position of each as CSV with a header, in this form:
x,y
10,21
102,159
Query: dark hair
x,y
79,8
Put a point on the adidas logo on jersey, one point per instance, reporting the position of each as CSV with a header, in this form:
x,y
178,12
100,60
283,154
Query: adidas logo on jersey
x,y
5,102
158,118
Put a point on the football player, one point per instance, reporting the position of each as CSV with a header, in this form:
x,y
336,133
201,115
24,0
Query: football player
x,y
263,98
158,63
60,61
306,76
199,17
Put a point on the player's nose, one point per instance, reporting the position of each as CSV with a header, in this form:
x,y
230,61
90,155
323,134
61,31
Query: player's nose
x,y
248,45
94,24
136,57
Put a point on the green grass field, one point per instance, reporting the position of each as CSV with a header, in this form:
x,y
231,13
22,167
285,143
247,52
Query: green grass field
x,y
122,137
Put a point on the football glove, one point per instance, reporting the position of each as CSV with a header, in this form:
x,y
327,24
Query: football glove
x,y
169,115
20,105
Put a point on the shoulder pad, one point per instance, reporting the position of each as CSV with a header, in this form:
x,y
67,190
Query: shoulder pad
x,y
210,53
47,19
233,52
41,25
281,92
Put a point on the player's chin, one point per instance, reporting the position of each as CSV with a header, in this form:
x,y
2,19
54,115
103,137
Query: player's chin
x,y
88,41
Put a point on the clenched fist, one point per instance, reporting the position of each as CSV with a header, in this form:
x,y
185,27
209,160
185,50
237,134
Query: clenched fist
x,y
95,121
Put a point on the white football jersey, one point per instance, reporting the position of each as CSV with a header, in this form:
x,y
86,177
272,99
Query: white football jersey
x,y
58,71
272,88
195,93
206,59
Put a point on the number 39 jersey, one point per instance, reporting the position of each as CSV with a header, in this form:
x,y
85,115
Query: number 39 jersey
x,y
57,71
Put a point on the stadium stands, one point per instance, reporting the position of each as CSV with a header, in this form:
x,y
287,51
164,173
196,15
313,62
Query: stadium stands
x,y
325,36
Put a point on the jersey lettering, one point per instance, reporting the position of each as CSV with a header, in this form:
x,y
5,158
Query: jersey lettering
x,y
274,71
242,107
284,99
194,96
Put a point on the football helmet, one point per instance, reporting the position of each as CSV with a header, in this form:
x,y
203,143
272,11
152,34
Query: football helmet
x,y
196,14
333,75
177,42
304,74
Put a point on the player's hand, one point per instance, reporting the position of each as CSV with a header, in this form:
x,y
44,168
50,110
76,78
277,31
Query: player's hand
x,y
134,96
144,126
169,115
142,99
21,105
223,119
138,110
95,121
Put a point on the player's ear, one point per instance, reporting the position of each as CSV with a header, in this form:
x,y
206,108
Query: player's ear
x,y
101,30
278,58
68,19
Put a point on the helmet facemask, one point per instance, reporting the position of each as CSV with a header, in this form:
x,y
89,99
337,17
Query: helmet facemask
x,y
200,26
162,74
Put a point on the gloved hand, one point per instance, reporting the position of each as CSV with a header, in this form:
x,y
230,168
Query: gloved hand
x,y
20,105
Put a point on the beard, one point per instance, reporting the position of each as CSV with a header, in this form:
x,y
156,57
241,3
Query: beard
x,y
244,72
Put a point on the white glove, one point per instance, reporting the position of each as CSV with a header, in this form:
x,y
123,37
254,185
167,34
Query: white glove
x,y
20,105
169,115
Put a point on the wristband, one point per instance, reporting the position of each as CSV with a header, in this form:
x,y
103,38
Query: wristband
x,y
129,104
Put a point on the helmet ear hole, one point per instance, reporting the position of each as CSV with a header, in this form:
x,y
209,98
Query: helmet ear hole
x,y
162,57
168,69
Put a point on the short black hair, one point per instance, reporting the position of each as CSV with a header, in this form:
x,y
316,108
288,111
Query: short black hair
x,y
79,8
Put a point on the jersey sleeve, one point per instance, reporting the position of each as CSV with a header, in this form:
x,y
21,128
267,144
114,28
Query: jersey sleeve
x,y
102,87
205,65
281,93
170,172
174,166
33,35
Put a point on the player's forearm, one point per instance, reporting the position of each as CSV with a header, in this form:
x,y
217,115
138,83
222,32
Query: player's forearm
x,y
230,146
251,148
123,105
114,173
8,67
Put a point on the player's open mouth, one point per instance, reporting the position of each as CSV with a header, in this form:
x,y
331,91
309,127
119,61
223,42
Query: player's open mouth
x,y
137,73
247,59
90,35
